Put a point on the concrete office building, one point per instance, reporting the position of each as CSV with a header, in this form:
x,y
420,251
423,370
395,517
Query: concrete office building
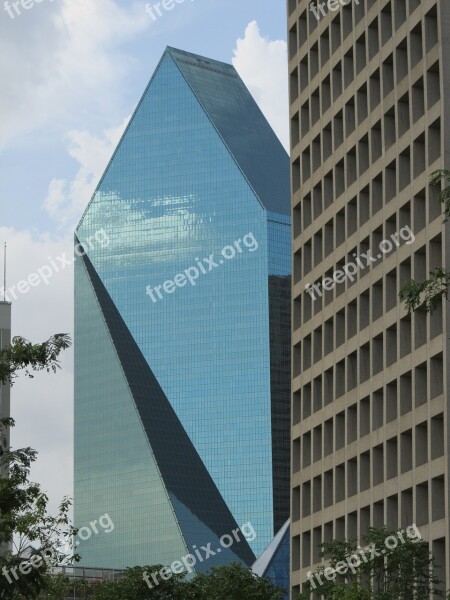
x,y
5,339
369,100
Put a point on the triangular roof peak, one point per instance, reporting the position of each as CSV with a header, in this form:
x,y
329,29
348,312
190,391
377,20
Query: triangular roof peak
x,y
242,126
238,120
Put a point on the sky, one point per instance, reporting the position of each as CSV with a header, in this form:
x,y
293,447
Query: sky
x,y
72,72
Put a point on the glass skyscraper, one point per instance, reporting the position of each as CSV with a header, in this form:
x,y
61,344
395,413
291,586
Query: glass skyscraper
x,y
182,326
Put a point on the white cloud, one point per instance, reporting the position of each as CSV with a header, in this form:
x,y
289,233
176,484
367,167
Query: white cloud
x,y
66,200
262,64
65,60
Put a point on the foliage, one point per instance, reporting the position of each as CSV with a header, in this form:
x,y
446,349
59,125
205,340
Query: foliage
x,y
427,295
444,197
60,586
22,354
132,586
399,573
234,582
27,530
231,582
350,592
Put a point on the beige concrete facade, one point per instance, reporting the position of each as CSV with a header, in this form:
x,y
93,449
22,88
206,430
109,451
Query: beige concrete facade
x,y
369,110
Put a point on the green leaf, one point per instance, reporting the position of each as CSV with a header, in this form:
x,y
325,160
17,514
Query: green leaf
x,y
426,295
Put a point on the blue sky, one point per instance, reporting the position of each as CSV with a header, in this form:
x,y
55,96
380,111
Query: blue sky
x,y
34,155
72,72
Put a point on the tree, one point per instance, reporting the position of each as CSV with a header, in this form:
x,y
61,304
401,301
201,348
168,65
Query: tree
x,y
130,586
61,586
35,537
231,582
133,587
234,582
427,295
389,566
22,354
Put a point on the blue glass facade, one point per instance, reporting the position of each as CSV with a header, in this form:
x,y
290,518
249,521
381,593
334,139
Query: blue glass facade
x,y
195,206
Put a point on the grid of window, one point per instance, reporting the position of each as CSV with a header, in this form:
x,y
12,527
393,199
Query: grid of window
x,y
174,200
369,404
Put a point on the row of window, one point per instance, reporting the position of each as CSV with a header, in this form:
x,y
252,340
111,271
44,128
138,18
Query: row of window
x,y
396,342
342,430
424,208
425,379
407,54
399,228
423,151
346,19
352,268
396,121
381,83
407,508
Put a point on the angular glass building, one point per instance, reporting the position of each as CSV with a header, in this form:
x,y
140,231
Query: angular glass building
x,y
182,326
274,561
